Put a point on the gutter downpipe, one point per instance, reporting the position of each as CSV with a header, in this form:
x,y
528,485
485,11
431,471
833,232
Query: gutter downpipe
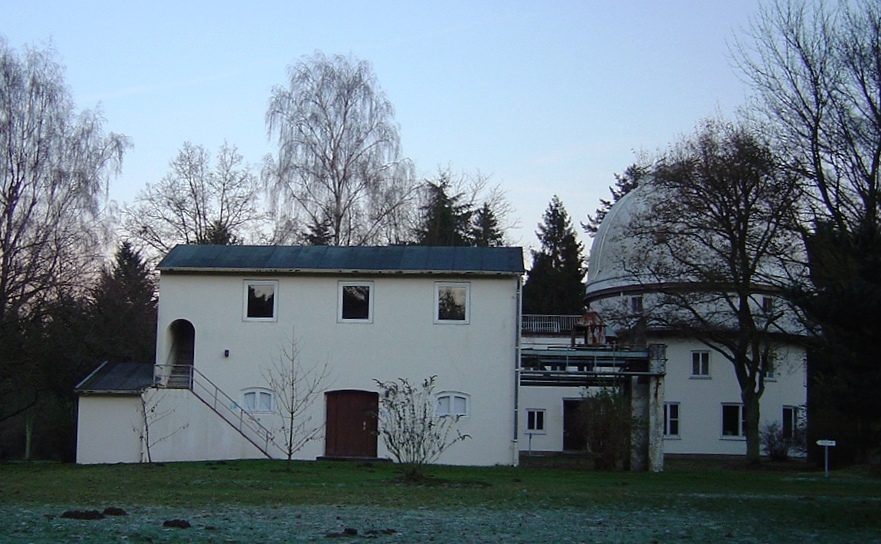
x,y
515,455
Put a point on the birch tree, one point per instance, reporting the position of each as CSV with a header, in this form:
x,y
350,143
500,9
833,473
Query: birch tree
x,y
55,166
339,162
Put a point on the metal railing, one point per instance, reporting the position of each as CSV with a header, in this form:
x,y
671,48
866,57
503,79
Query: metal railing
x,y
547,324
223,405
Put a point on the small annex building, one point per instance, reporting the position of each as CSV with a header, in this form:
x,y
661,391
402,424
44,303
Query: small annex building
x,y
231,315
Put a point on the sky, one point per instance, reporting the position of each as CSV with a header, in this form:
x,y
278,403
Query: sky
x,y
547,97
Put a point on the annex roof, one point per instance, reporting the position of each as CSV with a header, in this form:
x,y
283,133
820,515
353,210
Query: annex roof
x,y
352,259
117,378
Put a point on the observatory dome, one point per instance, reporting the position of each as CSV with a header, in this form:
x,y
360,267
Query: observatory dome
x,y
613,248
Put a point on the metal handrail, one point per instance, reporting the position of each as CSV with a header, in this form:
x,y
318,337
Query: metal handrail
x,y
548,324
228,409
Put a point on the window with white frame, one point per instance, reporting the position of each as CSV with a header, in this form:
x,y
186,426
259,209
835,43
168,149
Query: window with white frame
x,y
732,420
790,422
700,364
261,300
768,305
451,302
636,307
453,403
768,361
535,421
355,302
671,419
257,400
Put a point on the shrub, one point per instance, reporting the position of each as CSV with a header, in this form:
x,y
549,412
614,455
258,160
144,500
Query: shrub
x,y
410,428
606,421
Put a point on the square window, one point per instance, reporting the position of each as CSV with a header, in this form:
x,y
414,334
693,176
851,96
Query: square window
x,y
535,420
700,363
732,420
260,300
356,302
451,302
671,419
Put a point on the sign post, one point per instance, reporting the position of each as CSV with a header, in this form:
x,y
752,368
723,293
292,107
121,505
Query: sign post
x,y
826,445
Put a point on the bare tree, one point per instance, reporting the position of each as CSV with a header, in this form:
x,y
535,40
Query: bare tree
x,y
295,389
197,203
711,243
152,412
410,427
815,67
55,164
338,161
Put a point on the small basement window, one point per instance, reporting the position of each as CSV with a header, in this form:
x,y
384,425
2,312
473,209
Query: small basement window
x,y
453,404
257,400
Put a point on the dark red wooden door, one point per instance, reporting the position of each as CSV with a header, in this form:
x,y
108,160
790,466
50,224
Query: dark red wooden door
x,y
351,423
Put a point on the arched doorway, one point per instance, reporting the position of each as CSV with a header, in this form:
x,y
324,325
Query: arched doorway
x,y
182,354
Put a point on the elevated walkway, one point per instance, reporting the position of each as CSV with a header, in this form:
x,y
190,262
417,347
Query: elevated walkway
x,y
587,366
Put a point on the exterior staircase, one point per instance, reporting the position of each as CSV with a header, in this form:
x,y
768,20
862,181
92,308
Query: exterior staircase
x,y
185,376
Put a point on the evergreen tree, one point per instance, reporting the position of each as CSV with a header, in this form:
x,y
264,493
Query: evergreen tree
x,y
446,221
485,230
123,311
218,233
624,183
555,283
318,233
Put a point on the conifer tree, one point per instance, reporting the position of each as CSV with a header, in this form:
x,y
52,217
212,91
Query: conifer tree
x,y
123,310
446,221
624,183
485,231
555,283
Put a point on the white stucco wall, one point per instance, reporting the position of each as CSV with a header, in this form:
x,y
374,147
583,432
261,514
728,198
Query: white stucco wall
x,y
403,341
185,429
108,429
700,399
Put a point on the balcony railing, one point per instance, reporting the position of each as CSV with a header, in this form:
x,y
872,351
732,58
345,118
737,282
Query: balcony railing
x,y
548,324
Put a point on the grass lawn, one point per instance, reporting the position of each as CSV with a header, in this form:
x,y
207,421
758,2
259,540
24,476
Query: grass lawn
x,y
261,501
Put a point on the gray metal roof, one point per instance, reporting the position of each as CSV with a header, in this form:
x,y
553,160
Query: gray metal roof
x,y
354,259
117,378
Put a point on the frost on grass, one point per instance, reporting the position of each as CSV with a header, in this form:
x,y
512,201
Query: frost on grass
x,y
473,525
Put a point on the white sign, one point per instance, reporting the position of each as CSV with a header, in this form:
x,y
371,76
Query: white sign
x,y
827,443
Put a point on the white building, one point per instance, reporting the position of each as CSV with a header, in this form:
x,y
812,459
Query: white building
x,y
228,313
702,407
